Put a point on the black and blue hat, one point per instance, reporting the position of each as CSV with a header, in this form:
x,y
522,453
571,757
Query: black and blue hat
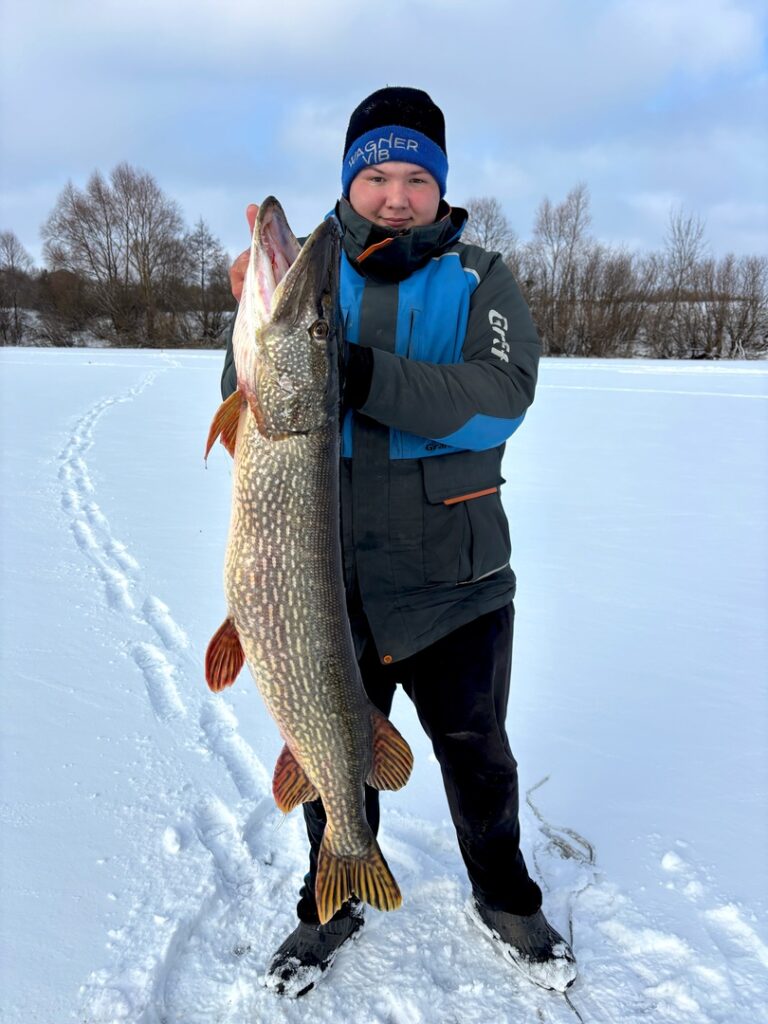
x,y
396,123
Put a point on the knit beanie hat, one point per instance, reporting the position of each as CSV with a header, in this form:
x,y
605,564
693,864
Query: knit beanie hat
x,y
396,123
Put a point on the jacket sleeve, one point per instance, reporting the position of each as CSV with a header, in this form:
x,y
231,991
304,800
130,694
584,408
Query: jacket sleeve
x,y
475,404
229,374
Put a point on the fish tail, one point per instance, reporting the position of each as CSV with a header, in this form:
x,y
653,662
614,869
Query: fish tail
x,y
368,877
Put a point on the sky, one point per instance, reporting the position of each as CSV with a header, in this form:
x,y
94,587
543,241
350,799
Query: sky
x,y
654,104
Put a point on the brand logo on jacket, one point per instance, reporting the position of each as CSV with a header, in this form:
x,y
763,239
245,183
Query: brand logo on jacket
x,y
378,150
499,326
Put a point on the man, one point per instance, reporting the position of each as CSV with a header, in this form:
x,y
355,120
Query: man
x,y
442,363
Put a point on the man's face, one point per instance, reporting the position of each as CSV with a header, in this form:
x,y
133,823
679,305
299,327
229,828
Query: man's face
x,y
395,195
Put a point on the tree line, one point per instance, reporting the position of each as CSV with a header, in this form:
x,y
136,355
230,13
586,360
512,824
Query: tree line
x,y
121,265
592,299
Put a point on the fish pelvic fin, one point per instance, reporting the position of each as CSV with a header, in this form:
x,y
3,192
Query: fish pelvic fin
x,y
392,757
224,423
290,784
368,877
224,657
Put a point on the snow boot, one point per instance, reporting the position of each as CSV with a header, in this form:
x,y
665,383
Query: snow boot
x,y
530,943
309,951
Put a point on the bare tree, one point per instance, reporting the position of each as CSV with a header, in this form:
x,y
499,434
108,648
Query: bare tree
x,y
123,235
714,285
684,251
747,328
153,226
15,264
83,235
612,286
560,238
209,280
684,248
488,227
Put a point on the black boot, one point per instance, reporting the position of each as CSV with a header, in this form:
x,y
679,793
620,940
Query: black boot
x,y
309,951
530,943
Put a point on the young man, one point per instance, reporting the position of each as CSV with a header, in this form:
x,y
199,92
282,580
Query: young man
x,y
442,364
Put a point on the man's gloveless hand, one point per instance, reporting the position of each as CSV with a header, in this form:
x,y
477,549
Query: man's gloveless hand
x,y
238,268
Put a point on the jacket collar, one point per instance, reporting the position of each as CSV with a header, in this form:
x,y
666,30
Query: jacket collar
x,y
387,255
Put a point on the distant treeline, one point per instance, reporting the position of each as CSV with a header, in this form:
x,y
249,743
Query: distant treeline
x,y
589,299
121,266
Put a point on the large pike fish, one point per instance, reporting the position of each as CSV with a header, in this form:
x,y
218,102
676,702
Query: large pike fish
x,y
283,577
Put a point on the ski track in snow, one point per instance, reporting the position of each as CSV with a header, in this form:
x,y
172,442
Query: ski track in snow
x,y
194,951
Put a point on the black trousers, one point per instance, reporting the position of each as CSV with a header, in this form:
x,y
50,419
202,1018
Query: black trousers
x,y
460,688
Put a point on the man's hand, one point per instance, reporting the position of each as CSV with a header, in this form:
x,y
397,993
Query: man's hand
x,y
238,268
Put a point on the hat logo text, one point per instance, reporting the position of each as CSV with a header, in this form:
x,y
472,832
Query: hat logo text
x,y
379,150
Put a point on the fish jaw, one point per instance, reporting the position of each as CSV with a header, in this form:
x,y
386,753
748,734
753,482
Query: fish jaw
x,y
285,339
274,249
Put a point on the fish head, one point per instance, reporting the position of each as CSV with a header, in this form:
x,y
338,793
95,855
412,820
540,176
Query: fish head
x,y
287,332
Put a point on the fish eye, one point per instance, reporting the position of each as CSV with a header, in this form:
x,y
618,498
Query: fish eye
x,y
319,330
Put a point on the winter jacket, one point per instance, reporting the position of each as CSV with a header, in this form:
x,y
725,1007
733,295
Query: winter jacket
x,y
455,355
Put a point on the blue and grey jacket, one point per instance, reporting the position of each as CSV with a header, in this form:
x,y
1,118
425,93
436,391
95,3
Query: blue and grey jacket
x,y
455,356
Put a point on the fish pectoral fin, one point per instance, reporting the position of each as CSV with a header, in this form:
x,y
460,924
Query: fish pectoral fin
x,y
392,757
224,657
225,423
368,877
290,783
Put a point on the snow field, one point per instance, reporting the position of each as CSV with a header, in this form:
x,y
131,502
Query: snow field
x,y
142,850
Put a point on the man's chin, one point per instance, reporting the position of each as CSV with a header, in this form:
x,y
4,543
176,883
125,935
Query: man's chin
x,y
396,223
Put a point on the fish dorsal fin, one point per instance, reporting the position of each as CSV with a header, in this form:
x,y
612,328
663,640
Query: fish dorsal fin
x,y
225,423
290,784
392,757
224,657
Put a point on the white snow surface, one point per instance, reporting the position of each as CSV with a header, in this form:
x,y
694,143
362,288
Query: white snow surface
x,y
146,873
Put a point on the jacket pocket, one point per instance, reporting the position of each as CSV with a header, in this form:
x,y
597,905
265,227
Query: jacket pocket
x,y
414,335
465,530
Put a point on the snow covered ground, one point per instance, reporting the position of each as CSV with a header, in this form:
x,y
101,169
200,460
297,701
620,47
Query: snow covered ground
x,y
146,874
